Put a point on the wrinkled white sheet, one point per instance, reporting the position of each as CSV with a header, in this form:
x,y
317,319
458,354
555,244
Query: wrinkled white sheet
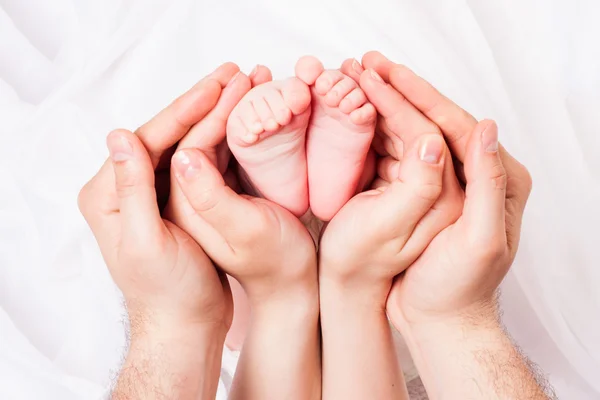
x,y
72,70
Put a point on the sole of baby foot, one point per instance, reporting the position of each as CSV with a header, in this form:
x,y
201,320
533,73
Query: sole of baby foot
x,y
339,136
266,133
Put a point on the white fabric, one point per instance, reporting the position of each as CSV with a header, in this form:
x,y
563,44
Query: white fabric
x,y
72,70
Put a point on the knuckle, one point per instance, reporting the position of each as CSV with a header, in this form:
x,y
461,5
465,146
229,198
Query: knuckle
x,y
127,187
498,176
526,179
83,198
260,225
486,250
429,191
204,200
128,179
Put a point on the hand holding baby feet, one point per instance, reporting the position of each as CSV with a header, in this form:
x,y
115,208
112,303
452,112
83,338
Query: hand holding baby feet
x,y
373,238
273,256
338,138
266,132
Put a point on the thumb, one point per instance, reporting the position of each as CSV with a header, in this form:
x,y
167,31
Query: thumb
x,y
134,183
209,196
486,183
417,188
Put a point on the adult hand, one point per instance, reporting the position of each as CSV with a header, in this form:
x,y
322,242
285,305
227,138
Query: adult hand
x,y
445,304
479,248
263,246
179,306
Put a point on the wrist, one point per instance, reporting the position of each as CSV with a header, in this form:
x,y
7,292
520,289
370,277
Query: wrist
x,y
460,357
299,291
353,292
296,302
147,326
471,316
177,360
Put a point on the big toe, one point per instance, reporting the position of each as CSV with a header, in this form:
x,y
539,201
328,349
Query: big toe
x,y
308,69
296,95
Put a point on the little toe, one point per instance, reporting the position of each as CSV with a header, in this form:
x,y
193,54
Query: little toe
x,y
355,99
283,115
340,91
327,80
296,95
308,69
364,115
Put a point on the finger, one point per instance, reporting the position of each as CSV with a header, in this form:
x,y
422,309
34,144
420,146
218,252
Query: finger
x,y
134,183
379,183
171,124
210,131
378,62
417,188
455,123
210,197
400,116
98,202
353,69
259,75
388,169
368,172
486,185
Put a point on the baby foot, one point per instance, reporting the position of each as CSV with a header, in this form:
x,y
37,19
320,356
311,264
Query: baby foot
x,y
339,136
266,133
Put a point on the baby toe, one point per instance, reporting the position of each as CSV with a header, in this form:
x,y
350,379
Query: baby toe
x,y
308,69
340,91
327,81
265,114
283,115
355,99
364,115
296,95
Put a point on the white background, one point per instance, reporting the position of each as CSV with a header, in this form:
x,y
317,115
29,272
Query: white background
x,y
72,70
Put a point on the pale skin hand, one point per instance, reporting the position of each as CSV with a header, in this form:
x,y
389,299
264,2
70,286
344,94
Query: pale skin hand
x,y
445,304
179,306
373,238
266,249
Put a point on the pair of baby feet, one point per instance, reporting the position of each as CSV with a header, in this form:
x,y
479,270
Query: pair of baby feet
x,y
304,141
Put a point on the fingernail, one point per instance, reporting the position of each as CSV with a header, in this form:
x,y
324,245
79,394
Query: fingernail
x,y
431,150
357,67
187,167
254,71
375,76
489,138
120,149
231,82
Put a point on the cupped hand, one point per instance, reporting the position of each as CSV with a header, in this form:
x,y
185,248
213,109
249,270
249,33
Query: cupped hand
x,y
379,233
165,277
458,274
262,245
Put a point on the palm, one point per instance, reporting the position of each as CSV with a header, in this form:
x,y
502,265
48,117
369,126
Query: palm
x,y
197,281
